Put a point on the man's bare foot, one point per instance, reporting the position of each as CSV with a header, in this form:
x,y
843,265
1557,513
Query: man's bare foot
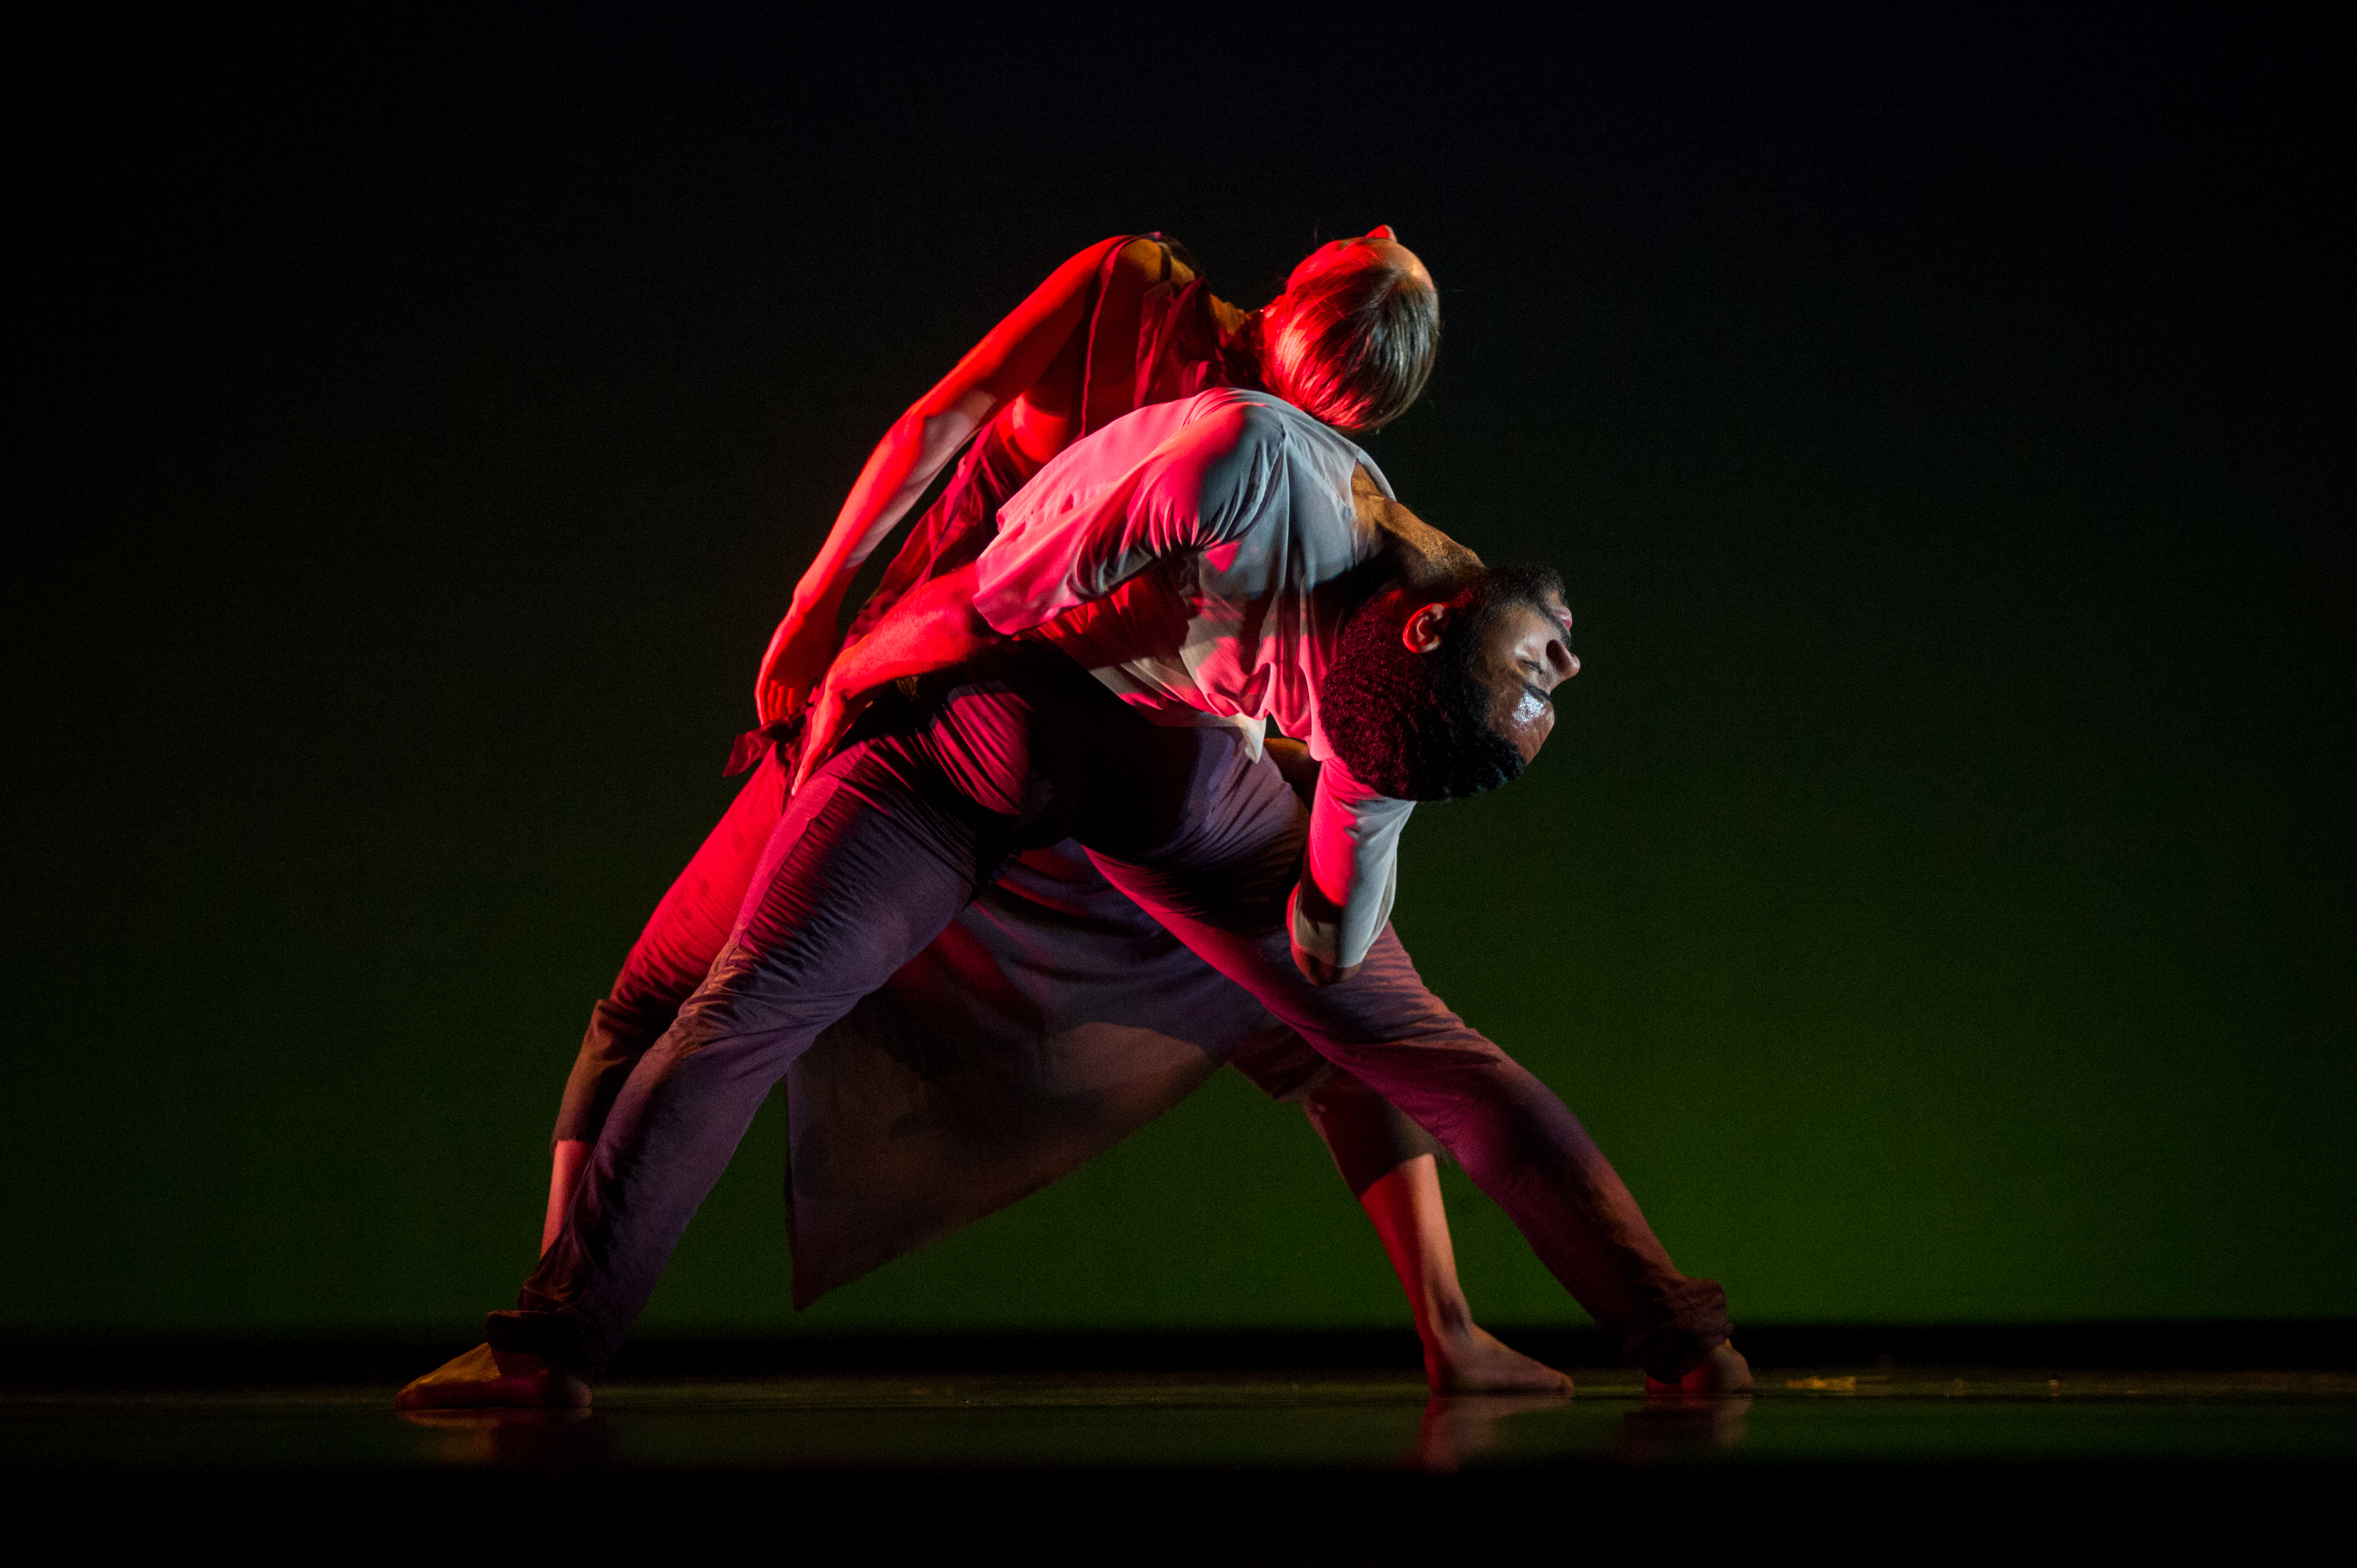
x,y
1471,1362
1722,1373
485,1378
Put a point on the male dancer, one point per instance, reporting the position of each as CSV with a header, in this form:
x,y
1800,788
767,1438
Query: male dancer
x,y
1156,595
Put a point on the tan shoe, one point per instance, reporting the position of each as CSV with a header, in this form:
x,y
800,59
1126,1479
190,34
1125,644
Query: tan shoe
x,y
485,1378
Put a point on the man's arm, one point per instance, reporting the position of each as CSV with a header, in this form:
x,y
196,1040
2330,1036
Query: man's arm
x,y
1171,479
1190,490
1348,876
934,627
1301,772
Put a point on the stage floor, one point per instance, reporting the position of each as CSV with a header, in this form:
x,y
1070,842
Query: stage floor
x,y
1250,1467
1311,1421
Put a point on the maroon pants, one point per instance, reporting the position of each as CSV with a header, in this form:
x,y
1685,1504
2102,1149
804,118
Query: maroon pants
x,y
895,835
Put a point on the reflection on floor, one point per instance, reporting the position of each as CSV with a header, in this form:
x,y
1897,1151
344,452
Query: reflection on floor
x,y
1311,1422
1262,1465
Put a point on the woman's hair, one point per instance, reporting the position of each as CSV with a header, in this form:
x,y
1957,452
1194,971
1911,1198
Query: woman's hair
x,y
1420,726
1352,343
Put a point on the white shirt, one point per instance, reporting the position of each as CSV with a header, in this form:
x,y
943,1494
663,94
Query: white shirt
x,y
1190,555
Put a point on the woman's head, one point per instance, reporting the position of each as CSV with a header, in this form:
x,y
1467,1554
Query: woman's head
x,y
1351,341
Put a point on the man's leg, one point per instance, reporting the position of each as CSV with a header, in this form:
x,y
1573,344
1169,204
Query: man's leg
x,y
861,873
671,958
1216,870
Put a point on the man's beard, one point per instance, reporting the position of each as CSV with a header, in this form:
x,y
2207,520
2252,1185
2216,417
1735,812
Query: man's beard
x,y
1419,726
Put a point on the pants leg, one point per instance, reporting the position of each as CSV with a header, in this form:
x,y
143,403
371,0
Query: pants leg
x,y
866,866
1217,874
672,955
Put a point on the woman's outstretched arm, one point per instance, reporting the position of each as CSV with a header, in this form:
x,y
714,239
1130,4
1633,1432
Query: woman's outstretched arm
x,y
1009,361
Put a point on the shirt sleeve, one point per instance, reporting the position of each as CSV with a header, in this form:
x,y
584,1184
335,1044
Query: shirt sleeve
x,y
1350,871
1208,483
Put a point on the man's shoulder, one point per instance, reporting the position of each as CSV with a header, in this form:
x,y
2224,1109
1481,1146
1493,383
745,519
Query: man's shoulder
x,y
1225,443
1245,412
1250,406
1266,424
1216,427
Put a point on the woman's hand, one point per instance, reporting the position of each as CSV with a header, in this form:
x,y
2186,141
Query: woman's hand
x,y
798,655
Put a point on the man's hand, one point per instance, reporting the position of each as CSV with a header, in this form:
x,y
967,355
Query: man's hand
x,y
1318,970
797,658
934,627
1315,966
838,704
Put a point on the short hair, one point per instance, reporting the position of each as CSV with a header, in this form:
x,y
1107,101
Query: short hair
x,y
1417,726
1355,344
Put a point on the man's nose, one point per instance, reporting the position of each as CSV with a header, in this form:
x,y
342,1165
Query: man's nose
x,y
1561,660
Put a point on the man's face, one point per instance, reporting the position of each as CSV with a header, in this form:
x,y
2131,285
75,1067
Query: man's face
x,y
1524,654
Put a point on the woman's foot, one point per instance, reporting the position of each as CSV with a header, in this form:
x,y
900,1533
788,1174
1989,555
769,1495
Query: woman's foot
x,y
485,1378
1718,1375
1470,1361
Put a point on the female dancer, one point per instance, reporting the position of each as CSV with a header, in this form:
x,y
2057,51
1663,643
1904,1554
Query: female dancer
x,y
1053,1017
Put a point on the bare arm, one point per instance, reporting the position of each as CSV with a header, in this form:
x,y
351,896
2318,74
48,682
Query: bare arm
x,y
1006,364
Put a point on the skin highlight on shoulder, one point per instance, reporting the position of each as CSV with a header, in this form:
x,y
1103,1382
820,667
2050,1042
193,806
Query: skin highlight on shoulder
x,y
1422,551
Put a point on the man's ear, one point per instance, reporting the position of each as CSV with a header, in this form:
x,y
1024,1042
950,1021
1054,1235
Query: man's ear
x,y
1424,628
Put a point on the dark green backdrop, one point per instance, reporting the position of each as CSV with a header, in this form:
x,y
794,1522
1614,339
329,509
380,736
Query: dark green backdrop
x,y
1935,898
